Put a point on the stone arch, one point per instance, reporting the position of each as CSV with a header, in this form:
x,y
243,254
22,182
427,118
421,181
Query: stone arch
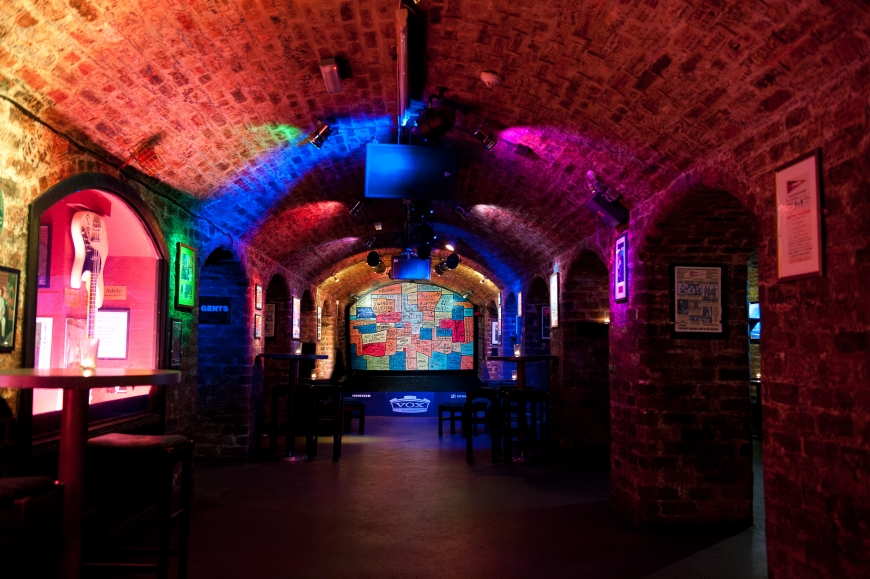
x,y
225,413
680,409
580,394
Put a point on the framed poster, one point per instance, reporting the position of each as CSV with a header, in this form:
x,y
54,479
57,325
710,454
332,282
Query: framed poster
x,y
697,303
620,268
185,276
258,326
297,314
112,327
43,268
175,343
269,321
258,296
494,334
545,322
319,322
519,304
798,218
9,279
554,300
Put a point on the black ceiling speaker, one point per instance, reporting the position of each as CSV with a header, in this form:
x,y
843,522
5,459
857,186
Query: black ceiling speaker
x,y
452,261
373,259
435,122
612,213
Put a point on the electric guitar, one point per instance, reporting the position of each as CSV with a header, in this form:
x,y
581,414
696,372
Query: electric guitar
x,y
91,248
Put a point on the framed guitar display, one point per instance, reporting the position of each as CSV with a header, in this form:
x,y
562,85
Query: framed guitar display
x,y
9,279
185,277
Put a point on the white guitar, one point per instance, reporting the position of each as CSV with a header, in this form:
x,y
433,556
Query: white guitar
x,y
91,248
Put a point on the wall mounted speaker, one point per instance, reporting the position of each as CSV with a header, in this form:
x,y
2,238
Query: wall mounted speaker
x,y
612,213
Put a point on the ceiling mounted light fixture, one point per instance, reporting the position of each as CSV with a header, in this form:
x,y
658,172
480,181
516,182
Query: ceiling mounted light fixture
x,y
486,137
449,246
335,276
440,269
329,70
452,261
484,279
355,208
369,243
461,212
373,259
378,226
491,78
319,135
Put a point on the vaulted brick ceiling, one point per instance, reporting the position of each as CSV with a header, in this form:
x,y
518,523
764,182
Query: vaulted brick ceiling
x,y
636,91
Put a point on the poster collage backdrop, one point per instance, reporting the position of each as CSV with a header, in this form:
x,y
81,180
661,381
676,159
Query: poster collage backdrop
x,y
411,326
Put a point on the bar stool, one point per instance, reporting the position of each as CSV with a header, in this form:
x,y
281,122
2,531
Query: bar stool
x,y
327,405
124,464
525,415
453,409
354,408
490,419
30,511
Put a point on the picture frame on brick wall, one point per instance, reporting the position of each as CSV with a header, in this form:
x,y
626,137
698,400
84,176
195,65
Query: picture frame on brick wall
x,y
269,321
798,218
554,300
697,292
495,336
258,297
258,326
319,323
546,320
9,285
297,317
185,277
175,342
620,268
43,268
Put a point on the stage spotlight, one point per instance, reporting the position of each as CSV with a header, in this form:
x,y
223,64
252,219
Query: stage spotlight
x,y
487,139
355,207
369,243
461,212
373,259
440,269
424,251
449,246
435,122
452,261
320,133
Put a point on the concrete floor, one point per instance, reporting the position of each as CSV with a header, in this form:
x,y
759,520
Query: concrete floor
x,y
403,503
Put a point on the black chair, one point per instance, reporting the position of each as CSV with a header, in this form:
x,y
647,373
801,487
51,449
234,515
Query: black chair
x,y
454,411
326,405
354,408
525,420
491,419
30,514
129,473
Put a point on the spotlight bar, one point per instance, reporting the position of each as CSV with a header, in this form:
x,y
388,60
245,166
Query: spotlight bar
x,y
319,135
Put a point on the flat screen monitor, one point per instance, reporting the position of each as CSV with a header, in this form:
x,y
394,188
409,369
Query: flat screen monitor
x,y
411,268
410,172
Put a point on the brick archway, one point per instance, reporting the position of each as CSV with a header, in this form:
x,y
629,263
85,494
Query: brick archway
x,y
580,393
681,447
225,415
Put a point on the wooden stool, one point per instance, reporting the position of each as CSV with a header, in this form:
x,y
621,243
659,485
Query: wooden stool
x,y
354,405
490,419
454,409
525,415
127,462
30,511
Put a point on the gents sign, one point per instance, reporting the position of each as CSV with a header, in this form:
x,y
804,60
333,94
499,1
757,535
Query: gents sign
x,y
214,310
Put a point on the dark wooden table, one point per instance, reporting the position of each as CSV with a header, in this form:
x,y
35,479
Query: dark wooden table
x,y
74,434
521,365
293,383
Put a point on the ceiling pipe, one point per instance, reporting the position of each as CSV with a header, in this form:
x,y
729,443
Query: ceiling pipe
x,y
402,71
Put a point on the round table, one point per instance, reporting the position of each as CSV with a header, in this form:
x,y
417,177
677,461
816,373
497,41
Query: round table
x,y
289,451
521,365
74,433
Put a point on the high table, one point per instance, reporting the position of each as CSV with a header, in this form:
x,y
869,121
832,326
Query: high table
x,y
293,383
521,365
75,384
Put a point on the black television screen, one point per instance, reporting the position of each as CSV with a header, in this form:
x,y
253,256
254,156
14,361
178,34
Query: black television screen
x,y
411,268
410,172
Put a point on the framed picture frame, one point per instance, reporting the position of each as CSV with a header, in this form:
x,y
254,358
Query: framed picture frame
x,y
269,321
297,315
319,323
798,218
9,287
519,304
554,300
620,268
176,328
546,322
185,277
495,337
43,268
258,296
258,326
112,327
697,298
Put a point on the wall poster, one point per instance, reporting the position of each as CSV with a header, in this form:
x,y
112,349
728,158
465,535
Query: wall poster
x,y
258,326
297,316
8,307
519,304
185,276
495,334
412,326
269,321
798,218
697,298
112,327
554,300
319,323
620,268
258,296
